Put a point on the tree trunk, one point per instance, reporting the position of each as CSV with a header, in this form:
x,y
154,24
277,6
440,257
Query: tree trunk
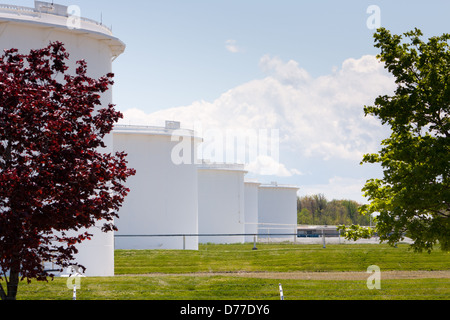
x,y
2,293
11,286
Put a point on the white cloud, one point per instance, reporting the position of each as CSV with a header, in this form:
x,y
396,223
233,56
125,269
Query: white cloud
x,y
286,73
231,46
267,166
322,117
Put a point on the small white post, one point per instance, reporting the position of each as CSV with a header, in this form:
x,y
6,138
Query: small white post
x,y
74,292
254,243
281,292
323,239
295,234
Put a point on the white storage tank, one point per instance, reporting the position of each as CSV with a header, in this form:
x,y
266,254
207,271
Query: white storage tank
x,y
221,216
277,210
251,189
162,205
25,28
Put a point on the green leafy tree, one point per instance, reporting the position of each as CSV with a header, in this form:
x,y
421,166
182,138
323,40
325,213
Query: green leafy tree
x,y
304,216
413,197
315,205
316,209
336,213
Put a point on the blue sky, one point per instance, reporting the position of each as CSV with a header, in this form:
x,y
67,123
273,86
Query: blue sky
x,y
303,67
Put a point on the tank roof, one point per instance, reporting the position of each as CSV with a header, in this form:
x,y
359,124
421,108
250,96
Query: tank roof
x,y
206,165
52,15
252,181
274,184
171,128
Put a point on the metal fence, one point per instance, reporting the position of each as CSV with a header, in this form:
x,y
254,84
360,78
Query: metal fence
x,y
266,233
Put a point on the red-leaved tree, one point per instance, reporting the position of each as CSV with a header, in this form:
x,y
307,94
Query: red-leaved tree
x,y
54,178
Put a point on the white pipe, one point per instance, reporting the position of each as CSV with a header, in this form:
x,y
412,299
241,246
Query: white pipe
x,y
281,292
74,292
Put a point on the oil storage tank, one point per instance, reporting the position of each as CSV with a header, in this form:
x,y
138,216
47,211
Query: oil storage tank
x,y
160,211
251,189
221,216
26,28
277,211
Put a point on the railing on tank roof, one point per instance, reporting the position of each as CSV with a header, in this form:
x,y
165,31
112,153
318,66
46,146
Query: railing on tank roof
x,y
143,128
208,164
26,11
8,8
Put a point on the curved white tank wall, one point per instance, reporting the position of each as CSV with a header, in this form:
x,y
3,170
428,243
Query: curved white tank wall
x,y
221,203
277,209
163,198
251,189
32,28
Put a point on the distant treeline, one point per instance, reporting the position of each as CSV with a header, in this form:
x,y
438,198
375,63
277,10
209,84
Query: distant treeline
x,y
317,210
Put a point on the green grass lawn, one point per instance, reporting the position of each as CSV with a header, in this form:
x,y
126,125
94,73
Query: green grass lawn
x,y
234,288
278,258
176,283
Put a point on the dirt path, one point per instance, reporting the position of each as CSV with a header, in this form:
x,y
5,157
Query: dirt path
x,y
351,275
314,275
